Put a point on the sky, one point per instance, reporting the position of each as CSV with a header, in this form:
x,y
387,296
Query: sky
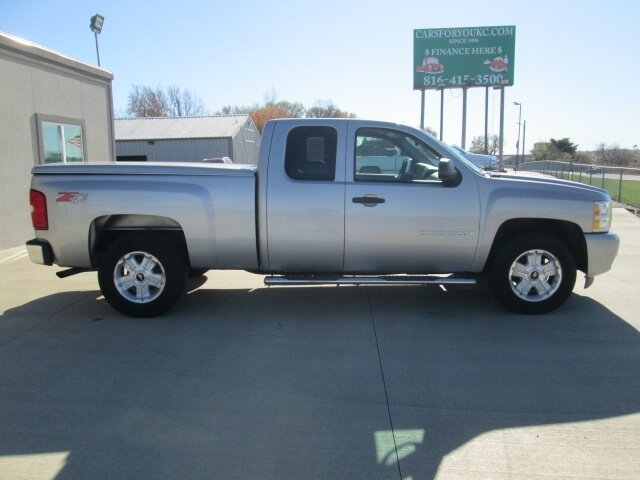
x,y
576,62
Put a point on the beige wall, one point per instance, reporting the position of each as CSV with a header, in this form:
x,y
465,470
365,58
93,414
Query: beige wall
x,y
34,81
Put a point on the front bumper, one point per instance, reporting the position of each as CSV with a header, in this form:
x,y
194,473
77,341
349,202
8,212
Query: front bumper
x,y
602,248
40,252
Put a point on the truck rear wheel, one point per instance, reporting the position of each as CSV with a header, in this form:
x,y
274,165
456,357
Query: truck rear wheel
x,y
141,275
532,273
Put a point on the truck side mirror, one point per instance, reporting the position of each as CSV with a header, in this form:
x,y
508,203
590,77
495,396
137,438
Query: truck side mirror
x,y
448,174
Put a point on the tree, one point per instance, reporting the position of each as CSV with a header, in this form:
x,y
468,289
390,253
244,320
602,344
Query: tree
x,y
292,109
431,131
327,109
236,109
272,109
289,109
145,101
565,147
184,103
477,144
616,156
584,157
543,151
562,149
261,114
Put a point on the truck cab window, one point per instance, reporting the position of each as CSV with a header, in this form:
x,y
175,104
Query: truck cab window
x,y
311,153
383,155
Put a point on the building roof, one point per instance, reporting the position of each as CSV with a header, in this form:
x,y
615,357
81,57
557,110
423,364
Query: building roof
x,y
166,128
38,52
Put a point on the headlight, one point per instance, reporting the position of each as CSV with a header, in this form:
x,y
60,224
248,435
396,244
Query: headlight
x,y
601,216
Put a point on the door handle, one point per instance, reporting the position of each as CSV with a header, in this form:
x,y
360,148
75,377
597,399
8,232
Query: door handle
x,y
368,200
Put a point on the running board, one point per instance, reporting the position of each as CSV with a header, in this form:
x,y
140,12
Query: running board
x,y
293,280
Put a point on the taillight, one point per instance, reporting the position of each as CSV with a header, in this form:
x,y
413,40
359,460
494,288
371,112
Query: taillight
x,y
39,217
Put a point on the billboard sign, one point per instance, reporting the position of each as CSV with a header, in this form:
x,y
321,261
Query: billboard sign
x,y
463,57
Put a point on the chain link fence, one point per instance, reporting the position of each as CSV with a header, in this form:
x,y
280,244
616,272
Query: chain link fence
x,y
623,184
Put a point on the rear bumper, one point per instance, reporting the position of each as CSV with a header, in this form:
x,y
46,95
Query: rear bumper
x,y
40,252
602,248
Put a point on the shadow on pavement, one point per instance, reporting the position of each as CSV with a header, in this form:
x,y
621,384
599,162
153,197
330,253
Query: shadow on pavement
x,y
465,367
285,383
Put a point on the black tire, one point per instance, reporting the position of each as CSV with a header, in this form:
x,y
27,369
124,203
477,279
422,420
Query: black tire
x,y
150,271
532,273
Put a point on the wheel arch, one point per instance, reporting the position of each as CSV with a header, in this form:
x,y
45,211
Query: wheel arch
x,y
568,232
106,229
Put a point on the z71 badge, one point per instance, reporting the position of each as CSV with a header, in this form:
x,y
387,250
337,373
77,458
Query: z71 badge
x,y
72,197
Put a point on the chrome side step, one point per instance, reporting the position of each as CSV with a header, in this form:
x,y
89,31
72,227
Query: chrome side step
x,y
293,280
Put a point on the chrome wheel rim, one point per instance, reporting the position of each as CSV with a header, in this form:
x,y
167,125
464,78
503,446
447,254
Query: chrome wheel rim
x,y
139,277
535,275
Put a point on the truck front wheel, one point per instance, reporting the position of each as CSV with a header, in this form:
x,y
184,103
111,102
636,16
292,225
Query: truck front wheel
x,y
142,275
532,273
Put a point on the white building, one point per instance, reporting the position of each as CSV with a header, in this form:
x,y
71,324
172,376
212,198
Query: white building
x,y
52,109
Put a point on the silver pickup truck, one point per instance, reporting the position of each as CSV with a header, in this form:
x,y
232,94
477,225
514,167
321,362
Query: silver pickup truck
x,y
331,202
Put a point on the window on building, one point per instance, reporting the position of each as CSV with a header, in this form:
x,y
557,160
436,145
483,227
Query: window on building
x,y
61,140
311,153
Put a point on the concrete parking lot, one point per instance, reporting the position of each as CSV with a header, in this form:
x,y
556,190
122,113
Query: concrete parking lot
x,y
241,381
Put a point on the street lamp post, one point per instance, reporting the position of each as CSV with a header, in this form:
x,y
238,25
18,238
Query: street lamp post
x,y
519,123
524,135
96,28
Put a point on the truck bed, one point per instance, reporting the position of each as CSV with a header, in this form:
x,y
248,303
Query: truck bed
x,y
213,206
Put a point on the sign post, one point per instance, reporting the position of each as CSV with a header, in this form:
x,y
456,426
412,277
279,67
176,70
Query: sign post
x,y
463,143
422,100
441,111
500,162
486,120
